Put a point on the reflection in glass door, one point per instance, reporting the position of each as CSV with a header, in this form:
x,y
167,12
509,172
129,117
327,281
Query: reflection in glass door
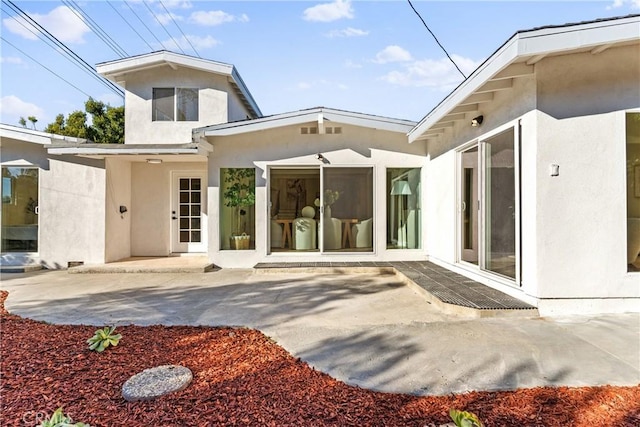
x,y
469,206
19,209
488,205
347,209
500,204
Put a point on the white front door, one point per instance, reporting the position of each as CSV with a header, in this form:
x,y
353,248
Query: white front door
x,y
188,212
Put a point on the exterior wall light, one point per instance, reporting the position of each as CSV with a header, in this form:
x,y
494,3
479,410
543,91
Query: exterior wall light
x,y
477,121
154,161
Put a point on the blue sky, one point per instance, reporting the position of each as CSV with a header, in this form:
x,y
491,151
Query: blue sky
x,y
367,56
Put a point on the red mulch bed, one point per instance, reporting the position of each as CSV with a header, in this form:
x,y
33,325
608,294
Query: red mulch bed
x,y
243,378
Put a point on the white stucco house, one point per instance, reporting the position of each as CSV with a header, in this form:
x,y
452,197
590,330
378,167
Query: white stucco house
x,y
525,178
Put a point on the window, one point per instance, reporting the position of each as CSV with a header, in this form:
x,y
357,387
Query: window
x,y
237,208
19,209
403,209
175,104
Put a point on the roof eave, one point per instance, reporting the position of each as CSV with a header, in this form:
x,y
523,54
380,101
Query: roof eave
x,y
533,45
306,116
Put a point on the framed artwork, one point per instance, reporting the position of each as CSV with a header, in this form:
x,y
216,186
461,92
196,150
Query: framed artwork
x,y
636,180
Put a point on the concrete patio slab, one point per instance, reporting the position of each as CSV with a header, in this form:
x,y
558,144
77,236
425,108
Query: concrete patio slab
x,y
366,329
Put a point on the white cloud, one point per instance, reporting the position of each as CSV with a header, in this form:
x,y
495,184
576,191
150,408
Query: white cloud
x,y
633,4
177,4
304,85
215,17
328,12
61,22
200,43
392,53
12,108
347,32
11,60
353,65
165,18
439,73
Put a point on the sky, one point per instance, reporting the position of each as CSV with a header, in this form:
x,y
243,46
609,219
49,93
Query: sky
x,y
373,57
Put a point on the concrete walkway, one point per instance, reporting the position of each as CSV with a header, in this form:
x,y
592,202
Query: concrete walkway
x,y
365,329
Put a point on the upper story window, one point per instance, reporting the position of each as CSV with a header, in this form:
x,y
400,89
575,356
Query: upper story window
x,y
175,104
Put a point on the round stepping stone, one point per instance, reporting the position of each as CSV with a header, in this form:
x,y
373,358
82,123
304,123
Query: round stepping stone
x,y
156,382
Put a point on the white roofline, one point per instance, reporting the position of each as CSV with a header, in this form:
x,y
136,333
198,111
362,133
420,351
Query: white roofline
x,y
200,148
322,114
35,136
114,70
534,43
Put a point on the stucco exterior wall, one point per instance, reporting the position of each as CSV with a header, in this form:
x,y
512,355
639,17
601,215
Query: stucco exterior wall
x,y
573,227
140,129
287,147
118,225
237,110
71,204
582,213
151,189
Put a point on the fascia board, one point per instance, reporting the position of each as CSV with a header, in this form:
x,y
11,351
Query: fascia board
x,y
137,63
500,60
115,149
531,43
546,41
307,116
262,124
34,136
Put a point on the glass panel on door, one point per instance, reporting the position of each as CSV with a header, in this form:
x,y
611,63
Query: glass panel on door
x,y
19,209
500,203
347,200
189,210
469,206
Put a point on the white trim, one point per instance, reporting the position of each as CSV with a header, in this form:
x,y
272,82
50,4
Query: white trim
x,y
201,247
529,46
329,116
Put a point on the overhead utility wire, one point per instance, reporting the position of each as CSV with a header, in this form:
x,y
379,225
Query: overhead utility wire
x,y
45,67
183,34
130,26
145,25
436,39
72,55
163,27
106,38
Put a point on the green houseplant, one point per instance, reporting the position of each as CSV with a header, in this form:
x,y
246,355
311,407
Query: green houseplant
x,y
239,194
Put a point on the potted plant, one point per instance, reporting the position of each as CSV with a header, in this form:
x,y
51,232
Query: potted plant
x,y
240,193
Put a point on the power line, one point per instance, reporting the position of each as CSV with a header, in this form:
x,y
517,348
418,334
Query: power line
x,y
106,38
60,47
183,34
436,39
163,27
145,25
130,26
45,67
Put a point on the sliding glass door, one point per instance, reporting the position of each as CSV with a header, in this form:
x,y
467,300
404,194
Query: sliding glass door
x,y
500,204
487,205
324,209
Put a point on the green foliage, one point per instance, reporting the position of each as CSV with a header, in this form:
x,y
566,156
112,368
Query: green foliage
x,y
107,123
22,122
58,419
240,192
464,419
33,121
103,338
